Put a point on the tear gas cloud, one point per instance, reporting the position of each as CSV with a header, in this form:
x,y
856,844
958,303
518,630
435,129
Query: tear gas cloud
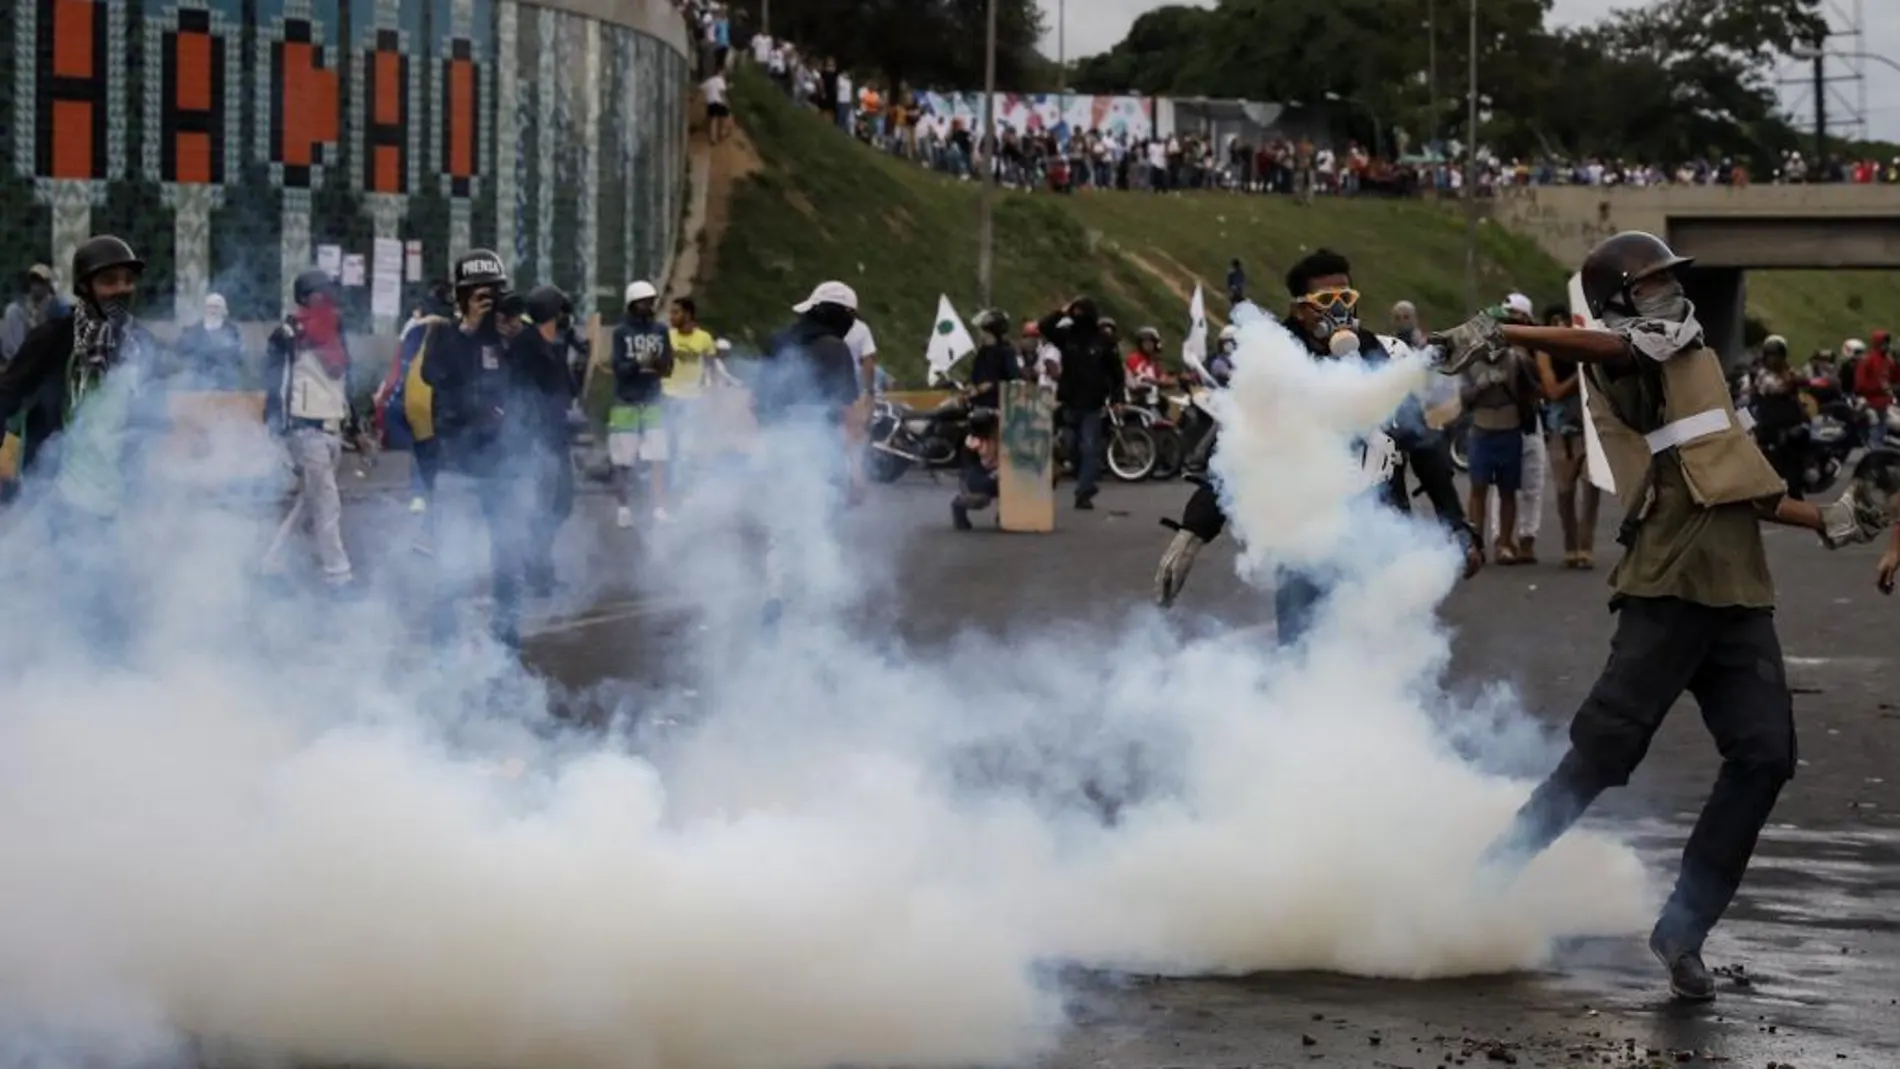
x,y
275,825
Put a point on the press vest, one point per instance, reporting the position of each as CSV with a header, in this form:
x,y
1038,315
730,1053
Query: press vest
x,y
1720,462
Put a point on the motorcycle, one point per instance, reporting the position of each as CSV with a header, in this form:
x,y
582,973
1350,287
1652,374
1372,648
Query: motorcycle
x,y
1149,410
901,436
1130,447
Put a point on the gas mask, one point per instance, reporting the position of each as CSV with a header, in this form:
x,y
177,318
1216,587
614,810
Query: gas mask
x,y
834,317
1334,311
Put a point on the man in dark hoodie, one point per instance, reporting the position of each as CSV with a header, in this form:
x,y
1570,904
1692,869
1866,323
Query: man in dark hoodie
x,y
1091,378
642,358
537,358
1324,316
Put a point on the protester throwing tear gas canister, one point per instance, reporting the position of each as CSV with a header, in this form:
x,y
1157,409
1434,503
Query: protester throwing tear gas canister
x,y
483,413
82,381
1693,596
1324,316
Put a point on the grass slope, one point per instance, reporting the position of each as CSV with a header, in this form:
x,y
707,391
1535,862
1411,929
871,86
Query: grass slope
x,y
822,206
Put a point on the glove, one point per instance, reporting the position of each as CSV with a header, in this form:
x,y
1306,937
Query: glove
x,y
1176,563
1476,338
1853,519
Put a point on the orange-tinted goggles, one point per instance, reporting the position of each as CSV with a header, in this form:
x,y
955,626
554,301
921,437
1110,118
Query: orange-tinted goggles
x,y
1335,302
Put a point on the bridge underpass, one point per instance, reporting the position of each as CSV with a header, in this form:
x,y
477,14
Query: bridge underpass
x,y
1729,231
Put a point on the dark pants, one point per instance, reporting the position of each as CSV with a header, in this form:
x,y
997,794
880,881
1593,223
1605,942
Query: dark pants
x,y
553,504
1730,660
508,506
1296,595
1087,425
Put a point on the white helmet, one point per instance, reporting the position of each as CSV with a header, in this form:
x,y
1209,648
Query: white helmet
x,y
1853,347
641,290
1229,332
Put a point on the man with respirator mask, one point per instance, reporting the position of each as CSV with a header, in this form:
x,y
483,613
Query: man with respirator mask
x,y
1324,316
1693,596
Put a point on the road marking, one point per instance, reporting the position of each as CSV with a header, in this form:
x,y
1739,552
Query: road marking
x,y
611,612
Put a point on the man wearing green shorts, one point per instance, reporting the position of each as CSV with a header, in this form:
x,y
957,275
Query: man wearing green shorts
x,y
636,428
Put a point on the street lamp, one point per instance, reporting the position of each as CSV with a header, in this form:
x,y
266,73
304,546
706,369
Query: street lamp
x,y
1810,52
1378,135
1471,169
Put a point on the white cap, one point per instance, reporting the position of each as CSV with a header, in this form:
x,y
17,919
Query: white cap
x,y
722,345
1521,304
829,293
215,303
640,290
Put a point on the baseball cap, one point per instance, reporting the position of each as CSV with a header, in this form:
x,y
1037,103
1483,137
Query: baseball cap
x,y
41,272
1520,304
829,293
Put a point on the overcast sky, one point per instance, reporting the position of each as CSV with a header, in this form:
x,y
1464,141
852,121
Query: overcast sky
x,y
1096,25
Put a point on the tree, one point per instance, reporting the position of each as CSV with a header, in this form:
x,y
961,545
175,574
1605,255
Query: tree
x,y
920,43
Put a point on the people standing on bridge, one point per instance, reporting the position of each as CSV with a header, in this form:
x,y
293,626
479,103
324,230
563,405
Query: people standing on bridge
x,y
1324,309
1693,596
307,405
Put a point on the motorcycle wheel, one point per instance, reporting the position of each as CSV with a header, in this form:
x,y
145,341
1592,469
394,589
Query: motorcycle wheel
x,y
1459,459
1131,453
1169,452
884,467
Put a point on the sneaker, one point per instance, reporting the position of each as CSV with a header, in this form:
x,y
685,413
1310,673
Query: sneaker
x,y
623,518
1689,978
418,505
660,515
960,516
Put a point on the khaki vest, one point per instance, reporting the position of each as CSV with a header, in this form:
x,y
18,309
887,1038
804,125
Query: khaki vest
x,y
1720,461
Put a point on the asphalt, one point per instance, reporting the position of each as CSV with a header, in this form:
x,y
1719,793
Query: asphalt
x,y
1810,953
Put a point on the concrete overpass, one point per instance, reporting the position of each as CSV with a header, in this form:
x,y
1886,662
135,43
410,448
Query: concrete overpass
x,y
1728,230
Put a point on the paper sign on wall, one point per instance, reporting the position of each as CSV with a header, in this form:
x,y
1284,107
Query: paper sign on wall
x,y
412,260
330,259
385,292
353,270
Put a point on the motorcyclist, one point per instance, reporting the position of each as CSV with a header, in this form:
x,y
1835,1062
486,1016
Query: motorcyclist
x,y
1781,428
1324,316
1144,361
1220,367
995,361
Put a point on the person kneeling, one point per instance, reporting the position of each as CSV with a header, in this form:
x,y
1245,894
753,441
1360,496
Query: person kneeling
x,y
979,468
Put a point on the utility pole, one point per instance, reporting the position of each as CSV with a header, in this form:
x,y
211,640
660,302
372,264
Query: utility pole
x,y
1471,169
1818,173
1431,68
1062,54
986,240
765,17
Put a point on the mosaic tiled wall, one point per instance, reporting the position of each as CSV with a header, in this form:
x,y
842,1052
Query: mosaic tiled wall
x,y
229,139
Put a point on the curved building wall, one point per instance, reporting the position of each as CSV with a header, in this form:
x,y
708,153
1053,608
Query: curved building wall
x,y
235,141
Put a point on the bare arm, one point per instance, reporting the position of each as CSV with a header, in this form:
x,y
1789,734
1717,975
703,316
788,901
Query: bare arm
x,y
1791,513
1572,343
1547,373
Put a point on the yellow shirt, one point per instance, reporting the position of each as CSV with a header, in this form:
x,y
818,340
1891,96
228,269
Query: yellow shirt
x,y
691,350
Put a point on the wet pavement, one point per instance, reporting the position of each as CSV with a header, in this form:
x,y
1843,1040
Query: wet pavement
x,y
1810,953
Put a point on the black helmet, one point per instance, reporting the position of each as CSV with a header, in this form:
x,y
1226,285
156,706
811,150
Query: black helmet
x,y
994,320
479,267
1619,262
512,306
100,253
546,304
310,283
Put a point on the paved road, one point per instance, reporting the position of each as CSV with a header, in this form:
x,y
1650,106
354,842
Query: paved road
x,y
1816,933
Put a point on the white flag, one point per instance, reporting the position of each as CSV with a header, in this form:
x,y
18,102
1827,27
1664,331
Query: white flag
x,y
1194,349
1596,462
949,340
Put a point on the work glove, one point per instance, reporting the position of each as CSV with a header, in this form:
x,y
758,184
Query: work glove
x,y
1176,563
1475,339
1866,509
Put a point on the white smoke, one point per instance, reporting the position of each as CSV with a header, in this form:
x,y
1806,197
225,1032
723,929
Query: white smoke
x,y
277,825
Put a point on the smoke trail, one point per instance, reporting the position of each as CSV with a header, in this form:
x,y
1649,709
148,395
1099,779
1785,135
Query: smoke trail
x,y
277,824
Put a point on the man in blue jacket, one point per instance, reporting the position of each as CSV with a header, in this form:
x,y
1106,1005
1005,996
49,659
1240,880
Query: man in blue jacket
x,y
641,358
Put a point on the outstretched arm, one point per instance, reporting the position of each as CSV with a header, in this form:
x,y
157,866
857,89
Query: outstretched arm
x,y
1571,343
